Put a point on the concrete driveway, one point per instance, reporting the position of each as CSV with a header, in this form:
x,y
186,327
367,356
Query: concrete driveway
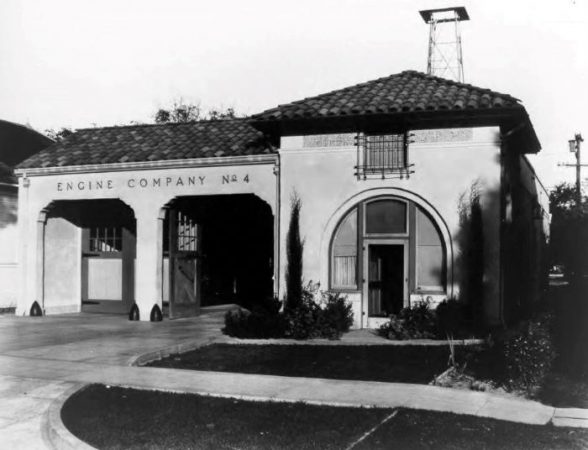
x,y
43,357
46,359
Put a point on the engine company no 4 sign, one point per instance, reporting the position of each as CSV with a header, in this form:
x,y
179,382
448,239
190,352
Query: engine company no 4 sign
x,y
150,182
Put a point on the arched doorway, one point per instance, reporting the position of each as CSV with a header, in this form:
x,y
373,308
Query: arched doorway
x,y
217,249
88,256
389,249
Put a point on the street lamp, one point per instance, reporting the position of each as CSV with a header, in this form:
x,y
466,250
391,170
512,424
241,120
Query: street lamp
x,y
572,143
575,146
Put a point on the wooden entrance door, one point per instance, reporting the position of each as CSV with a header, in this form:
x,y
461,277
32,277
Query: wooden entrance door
x,y
184,265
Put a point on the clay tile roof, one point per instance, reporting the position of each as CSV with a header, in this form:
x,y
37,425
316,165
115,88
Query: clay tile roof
x,y
406,92
137,143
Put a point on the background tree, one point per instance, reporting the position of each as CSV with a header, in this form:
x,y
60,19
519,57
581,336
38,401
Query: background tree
x,y
58,135
221,114
182,111
179,112
569,229
294,250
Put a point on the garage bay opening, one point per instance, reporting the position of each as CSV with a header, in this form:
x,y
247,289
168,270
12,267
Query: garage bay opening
x,y
217,249
89,256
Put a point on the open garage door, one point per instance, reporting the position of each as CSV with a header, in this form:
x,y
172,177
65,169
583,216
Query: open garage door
x,y
184,265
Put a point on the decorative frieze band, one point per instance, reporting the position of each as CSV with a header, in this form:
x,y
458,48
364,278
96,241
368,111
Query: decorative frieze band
x,y
329,140
446,135
417,136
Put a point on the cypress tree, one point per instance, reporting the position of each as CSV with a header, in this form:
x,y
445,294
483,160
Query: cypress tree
x,y
294,249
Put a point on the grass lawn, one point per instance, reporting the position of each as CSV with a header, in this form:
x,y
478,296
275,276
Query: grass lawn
x,y
117,418
412,429
390,363
564,391
567,385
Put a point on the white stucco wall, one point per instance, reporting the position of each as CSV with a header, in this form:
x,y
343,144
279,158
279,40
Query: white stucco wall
x,y
8,247
62,266
146,191
536,189
445,166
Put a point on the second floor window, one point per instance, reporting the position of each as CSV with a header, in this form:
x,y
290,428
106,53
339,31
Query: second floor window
x,y
382,155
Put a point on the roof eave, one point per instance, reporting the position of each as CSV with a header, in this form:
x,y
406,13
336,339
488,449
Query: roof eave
x,y
393,122
240,160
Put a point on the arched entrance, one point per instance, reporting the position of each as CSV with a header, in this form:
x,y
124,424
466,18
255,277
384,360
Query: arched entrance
x,y
88,257
217,249
392,251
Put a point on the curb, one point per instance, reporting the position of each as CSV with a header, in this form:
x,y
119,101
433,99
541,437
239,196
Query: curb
x,y
343,342
570,417
164,352
54,432
575,419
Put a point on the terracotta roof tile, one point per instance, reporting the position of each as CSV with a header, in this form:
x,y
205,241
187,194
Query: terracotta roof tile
x,y
409,91
152,143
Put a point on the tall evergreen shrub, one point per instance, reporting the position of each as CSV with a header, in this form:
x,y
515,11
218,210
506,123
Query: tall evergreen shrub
x,y
470,263
294,249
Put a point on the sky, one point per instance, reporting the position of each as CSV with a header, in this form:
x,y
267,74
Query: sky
x,y
82,63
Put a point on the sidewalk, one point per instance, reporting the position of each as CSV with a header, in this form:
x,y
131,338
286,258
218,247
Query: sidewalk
x,y
43,359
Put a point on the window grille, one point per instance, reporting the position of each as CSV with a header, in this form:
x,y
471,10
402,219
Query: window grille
x,y
383,155
106,239
187,233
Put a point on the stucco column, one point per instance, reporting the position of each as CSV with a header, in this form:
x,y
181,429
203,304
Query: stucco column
x,y
31,231
148,264
40,262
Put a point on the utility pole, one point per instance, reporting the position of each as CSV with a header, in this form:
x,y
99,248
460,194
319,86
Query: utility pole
x,y
575,146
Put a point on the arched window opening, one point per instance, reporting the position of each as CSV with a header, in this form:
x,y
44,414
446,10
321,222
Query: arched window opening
x,y
344,266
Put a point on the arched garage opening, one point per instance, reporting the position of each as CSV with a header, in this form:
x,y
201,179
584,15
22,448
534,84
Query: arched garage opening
x,y
88,256
217,249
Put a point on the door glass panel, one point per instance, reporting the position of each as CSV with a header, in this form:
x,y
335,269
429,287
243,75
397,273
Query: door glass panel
x,y
386,217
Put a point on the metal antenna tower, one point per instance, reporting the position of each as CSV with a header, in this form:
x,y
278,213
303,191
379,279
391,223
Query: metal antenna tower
x,y
445,56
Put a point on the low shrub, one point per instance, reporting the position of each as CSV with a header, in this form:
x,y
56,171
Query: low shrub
x,y
263,322
449,320
527,353
328,318
451,316
301,321
418,322
337,315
